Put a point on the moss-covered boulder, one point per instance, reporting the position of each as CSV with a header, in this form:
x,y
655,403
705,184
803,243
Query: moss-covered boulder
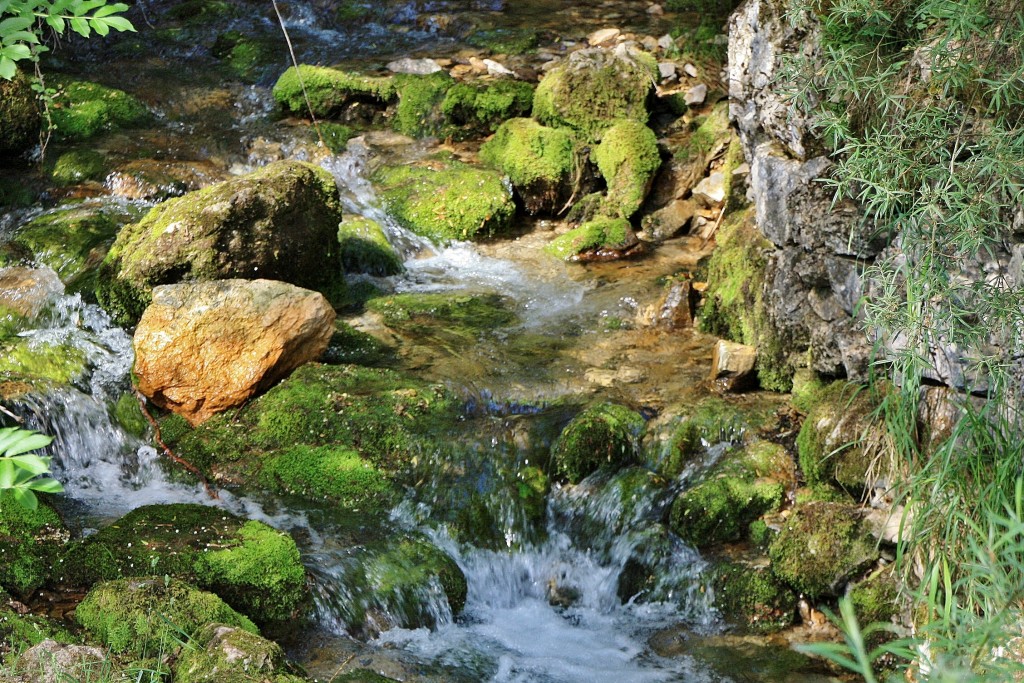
x,y
540,162
735,302
335,473
147,617
277,223
749,596
821,546
840,440
78,166
404,582
19,116
219,653
446,200
741,487
479,108
420,98
330,91
628,159
83,109
30,542
603,435
253,567
593,88
365,248
709,422
600,239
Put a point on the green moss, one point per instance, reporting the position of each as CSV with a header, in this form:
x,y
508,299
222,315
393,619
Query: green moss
x,y
820,547
151,616
21,631
223,654
349,345
600,233
720,510
128,414
365,248
455,201
751,598
628,158
709,132
247,58
604,435
350,11
83,109
807,387
539,161
734,302
479,108
333,473
202,11
19,115
252,566
336,135
30,540
26,357
835,443
875,600
508,41
329,90
78,166
418,112
710,421
465,314
594,88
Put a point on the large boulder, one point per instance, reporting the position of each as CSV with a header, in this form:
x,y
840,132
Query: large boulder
x,y
19,116
204,347
540,162
280,222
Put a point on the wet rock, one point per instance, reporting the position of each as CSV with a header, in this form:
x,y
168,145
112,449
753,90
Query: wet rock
x,y
79,166
408,65
251,566
27,291
157,180
628,159
749,596
732,366
53,662
205,347
19,116
83,109
603,36
604,435
540,162
221,653
30,541
668,221
280,222
445,314
602,239
675,310
365,248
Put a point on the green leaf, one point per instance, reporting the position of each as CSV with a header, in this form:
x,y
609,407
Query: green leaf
x,y
119,24
31,463
7,68
8,473
14,441
14,24
25,498
79,26
47,485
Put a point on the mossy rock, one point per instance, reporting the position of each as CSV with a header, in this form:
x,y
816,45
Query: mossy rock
x,y
19,632
735,305
151,616
333,473
711,421
249,59
839,440
628,159
351,346
419,111
752,598
447,200
477,109
604,435
82,109
253,567
219,653
336,135
128,414
875,599
744,485
507,41
329,90
278,223
365,248
540,162
600,236
399,583
78,166
201,12
19,116
28,358
593,88
30,542
466,315
821,546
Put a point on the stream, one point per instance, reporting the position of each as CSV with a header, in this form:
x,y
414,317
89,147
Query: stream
x,y
545,603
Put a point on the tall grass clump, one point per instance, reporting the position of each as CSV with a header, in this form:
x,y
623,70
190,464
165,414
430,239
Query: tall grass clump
x,y
921,105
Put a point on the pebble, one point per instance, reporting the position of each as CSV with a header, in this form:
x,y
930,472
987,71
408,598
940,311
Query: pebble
x,y
666,42
420,67
655,10
690,70
497,69
667,70
603,36
696,95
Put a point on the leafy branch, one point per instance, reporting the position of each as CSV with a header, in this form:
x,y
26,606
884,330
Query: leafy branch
x,y
23,472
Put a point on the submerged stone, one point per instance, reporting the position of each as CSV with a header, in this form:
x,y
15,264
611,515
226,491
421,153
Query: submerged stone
x,y
453,314
365,248
604,435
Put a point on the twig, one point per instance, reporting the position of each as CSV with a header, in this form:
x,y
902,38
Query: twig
x,y
11,415
298,73
212,492
343,665
714,228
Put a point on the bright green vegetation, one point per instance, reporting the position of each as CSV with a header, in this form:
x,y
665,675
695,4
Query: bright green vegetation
x,y
540,161
78,166
453,314
508,41
29,358
709,132
479,108
628,158
83,109
740,488
592,89
279,222
365,248
599,233
231,655
734,303
453,202
253,567
329,90
821,547
153,616
604,435
30,541
418,112
19,116
334,473
128,414
751,598
21,631
336,135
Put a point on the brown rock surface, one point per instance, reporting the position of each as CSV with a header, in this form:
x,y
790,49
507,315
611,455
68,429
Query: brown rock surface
x,y
204,347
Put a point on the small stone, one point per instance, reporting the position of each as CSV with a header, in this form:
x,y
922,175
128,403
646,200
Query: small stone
x,y
408,65
667,70
479,65
667,221
676,310
50,661
690,70
497,69
650,43
696,95
732,366
655,10
603,36
711,191
742,169
666,42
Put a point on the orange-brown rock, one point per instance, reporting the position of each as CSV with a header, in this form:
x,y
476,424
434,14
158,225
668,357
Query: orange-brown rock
x,y
204,347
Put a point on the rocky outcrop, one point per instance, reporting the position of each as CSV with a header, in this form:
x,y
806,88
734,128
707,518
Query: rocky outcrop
x,y
202,348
